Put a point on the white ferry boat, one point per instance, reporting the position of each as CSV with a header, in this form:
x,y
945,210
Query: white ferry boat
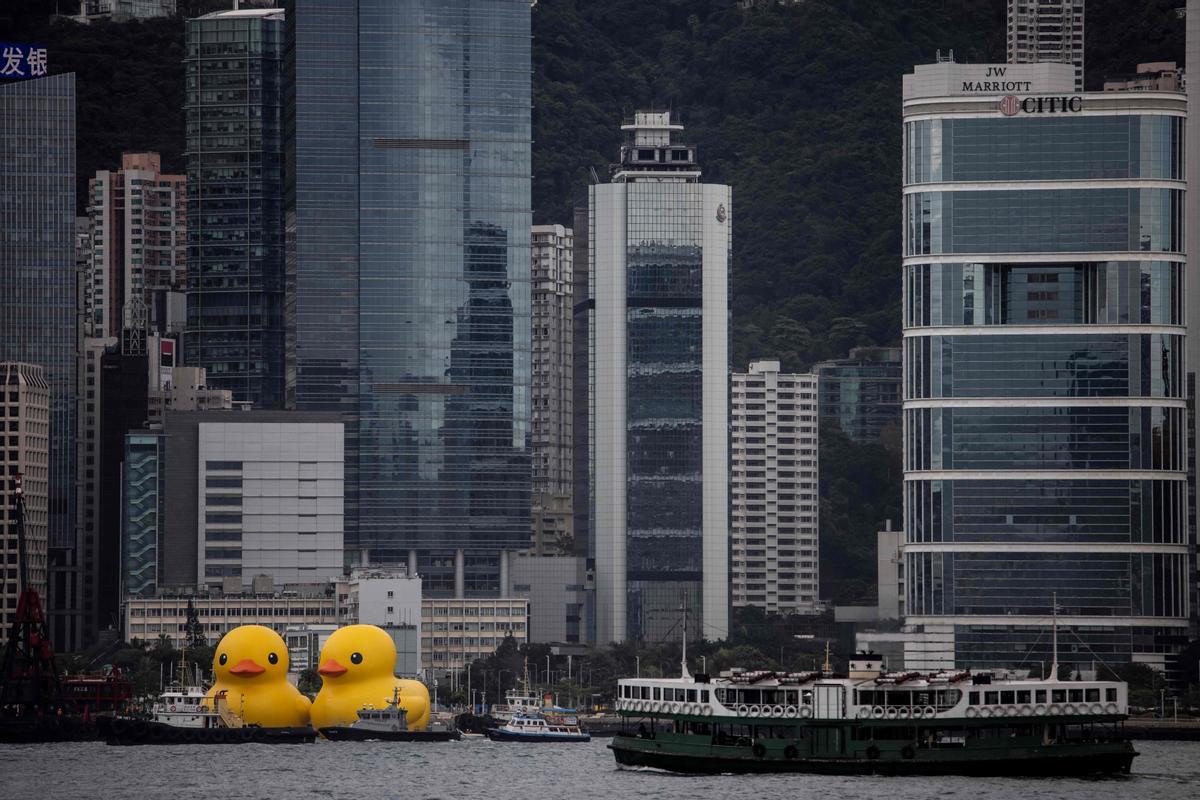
x,y
539,728
874,722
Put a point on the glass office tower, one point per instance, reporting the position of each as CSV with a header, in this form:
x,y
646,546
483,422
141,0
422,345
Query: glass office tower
x,y
658,428
1044,403
235,202
38,281
407,211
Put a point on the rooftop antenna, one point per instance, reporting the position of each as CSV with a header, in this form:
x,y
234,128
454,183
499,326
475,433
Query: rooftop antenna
x,y
595,177
1054,635
827,667
683,670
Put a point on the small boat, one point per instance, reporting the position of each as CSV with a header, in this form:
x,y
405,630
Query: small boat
x,y
539,728
388,724
183,715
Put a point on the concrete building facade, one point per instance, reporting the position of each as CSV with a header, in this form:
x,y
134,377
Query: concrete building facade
x,y
25,420
1047,31
560,591
659,247
138,222
457,631
775,526
552,389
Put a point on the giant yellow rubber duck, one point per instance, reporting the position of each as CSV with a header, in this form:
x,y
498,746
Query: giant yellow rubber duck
x,y
357,664
250,666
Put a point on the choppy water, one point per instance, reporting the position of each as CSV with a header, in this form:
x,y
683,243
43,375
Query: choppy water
x,y
483,769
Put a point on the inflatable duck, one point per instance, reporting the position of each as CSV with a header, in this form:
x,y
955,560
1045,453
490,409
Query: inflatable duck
x,y
357,664
250,666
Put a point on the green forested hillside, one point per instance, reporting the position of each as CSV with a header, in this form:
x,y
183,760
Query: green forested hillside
x,y
796,106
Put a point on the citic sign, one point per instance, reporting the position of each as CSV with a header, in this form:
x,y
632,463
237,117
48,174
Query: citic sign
x,y
1010,105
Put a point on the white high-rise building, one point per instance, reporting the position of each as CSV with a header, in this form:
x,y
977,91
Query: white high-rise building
x,y
1046,30
659,243
773,486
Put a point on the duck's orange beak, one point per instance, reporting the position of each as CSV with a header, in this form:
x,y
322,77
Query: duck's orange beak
x,y
247,666
332,668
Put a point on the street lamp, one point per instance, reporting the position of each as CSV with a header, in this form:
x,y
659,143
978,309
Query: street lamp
x,y
704,664
638,659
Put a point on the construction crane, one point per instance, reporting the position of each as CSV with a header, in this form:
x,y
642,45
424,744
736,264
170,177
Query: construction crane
x,y
29,683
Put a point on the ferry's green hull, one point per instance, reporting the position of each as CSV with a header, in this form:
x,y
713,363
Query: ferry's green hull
x,y
832,749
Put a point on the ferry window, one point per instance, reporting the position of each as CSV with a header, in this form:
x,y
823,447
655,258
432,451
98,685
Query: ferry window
x,y
1024,697
1076,695
704,695
1058,695
691,696
1008,698
645,692
657,693
1040,694
1092,695
1110,695
974,698
991,698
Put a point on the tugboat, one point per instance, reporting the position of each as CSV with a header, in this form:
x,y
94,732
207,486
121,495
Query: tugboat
x,y
200,724
874,722
386,724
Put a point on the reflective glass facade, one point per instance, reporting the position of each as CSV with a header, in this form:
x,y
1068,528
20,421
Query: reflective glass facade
x,y
142,498
407,224
235,203
658,386
1044,404
38,281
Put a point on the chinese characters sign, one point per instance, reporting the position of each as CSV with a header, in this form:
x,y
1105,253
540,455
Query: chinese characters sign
x,y
22,60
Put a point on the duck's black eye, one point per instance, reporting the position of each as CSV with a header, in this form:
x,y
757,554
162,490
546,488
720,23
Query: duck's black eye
x,y
271,657
356,658
224,659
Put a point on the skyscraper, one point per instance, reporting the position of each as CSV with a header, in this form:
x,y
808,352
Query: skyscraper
x,y
659,244
38,279
407,209
235,202
1044,401
138,222
25,404
861,393
773,483
1047,30
552,389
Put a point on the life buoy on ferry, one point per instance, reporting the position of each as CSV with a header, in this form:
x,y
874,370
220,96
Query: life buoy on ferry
x,y
985,712
708,711
1025,711
806,712
1055,710
877,712
1069,709
904,712
864,712
1112,708
172,708
930,712
755,711
1097,708
1039,710
791,712
893,712
972,712
743,710
1010,711
759,750
777,711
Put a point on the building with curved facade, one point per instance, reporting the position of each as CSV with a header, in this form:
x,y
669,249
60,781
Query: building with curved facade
x,y
1044,399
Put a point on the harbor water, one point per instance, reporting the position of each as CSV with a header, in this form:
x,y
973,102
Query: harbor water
x,y
494,770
